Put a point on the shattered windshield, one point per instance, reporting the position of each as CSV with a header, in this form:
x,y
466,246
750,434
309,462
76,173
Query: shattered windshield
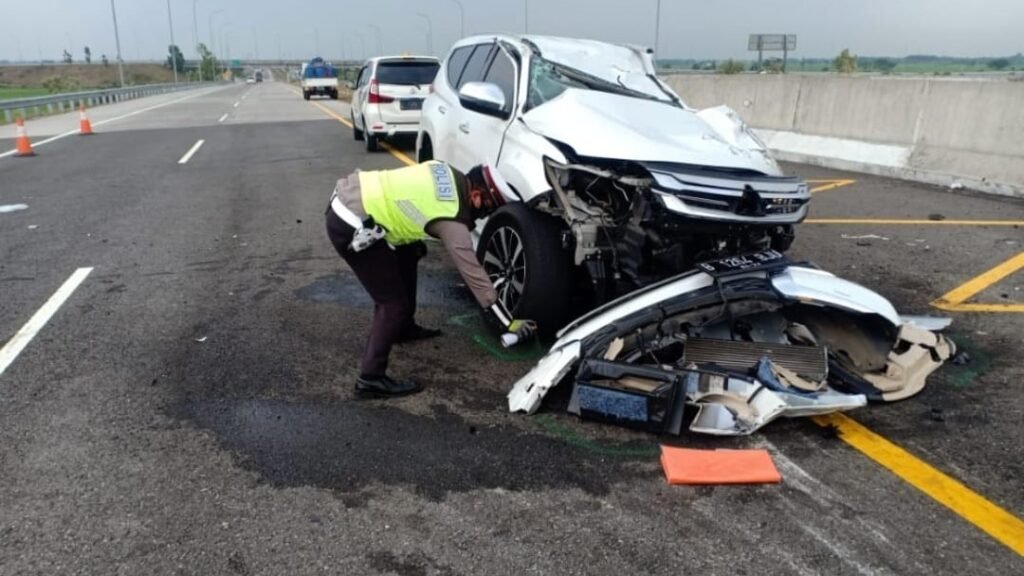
x,y
549,79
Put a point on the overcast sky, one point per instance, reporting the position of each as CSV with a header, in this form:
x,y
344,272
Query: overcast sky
x,y
689,28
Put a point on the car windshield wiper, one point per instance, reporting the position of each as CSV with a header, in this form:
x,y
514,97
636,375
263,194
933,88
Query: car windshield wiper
x,y
603,85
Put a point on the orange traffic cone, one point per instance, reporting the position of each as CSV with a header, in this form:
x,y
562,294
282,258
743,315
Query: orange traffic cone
x,y
84,127
24,146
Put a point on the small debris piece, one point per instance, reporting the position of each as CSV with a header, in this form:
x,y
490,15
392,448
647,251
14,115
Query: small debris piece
x,y
33,226
956,186
962,358
201,340
299,221
936,415
936,217
688,466
864,237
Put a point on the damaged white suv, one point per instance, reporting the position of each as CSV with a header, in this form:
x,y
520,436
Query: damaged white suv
x,y
621,183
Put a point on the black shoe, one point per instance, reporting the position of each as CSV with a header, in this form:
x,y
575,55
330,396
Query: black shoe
x,y
385,387
418,332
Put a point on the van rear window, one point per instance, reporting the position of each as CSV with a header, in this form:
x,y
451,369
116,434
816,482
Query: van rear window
x,y
407,73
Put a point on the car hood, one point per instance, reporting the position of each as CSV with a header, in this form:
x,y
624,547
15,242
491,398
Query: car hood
x,y
606,125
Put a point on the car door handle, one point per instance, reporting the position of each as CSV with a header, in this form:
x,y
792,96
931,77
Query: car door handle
x,y
442,109
464,128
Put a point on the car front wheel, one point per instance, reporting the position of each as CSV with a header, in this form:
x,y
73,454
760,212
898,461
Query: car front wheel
x,y
521,251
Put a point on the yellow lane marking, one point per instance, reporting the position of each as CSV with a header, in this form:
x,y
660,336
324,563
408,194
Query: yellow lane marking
x,y
398,154
956,299
392,150
969,505
912,222
828,185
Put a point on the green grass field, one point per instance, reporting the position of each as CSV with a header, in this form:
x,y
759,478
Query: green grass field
x,y
9,93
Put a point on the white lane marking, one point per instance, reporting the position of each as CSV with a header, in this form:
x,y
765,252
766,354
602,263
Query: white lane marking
x,y
223,118
12,207
236,104
38,320
109,120
188,155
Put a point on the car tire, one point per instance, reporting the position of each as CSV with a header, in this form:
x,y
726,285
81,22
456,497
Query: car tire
x,y
305,95
521,251
426,151
357,134
334,95
372,143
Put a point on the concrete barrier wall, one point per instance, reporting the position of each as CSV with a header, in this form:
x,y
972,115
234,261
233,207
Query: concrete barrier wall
x,y
935,130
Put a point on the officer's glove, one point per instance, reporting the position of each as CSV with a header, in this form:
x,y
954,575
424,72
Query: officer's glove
x,y
518,331
510,330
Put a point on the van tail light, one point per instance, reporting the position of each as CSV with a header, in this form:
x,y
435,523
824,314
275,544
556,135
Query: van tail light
x,y
375,97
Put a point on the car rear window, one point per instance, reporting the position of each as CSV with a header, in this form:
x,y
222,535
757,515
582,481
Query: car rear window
x,y
407,73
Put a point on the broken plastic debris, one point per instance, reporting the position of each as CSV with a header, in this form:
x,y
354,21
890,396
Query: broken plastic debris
x,y
203,339
12,207
956,186
33,226
864,237
688,466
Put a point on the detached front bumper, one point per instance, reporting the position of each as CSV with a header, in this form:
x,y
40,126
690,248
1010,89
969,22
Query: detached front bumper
x,y
727,196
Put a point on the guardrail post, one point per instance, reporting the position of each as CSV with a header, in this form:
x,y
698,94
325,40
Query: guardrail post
x,y
8,117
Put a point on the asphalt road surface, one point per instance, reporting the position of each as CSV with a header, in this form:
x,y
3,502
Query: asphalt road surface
x,y
188,408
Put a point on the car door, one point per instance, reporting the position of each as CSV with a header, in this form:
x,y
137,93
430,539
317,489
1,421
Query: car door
x,y
462,154
482,134
441,106
359,97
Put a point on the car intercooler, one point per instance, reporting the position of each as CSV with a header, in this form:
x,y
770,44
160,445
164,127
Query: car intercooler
x,y
809,362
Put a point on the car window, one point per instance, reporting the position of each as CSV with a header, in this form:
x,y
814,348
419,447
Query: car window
x,y
407,73
503,73
476,65
456,62
546,82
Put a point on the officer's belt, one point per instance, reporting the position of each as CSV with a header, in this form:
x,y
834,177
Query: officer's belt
x,y
347,216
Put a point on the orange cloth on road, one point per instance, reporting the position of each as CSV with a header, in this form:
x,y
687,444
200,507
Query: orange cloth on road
x,y
688,466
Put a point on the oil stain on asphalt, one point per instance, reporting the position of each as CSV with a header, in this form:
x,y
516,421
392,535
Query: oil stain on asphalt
x,y
353,446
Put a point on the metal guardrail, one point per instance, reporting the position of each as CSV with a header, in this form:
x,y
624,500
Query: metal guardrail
x,y
69,101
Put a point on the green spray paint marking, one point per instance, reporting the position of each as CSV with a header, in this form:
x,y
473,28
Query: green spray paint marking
x,y
964,376
570,437
475,329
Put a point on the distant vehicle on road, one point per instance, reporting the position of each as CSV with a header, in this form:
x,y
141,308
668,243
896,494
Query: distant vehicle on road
x,y
388,97
622,184
250,80
319,78
259,76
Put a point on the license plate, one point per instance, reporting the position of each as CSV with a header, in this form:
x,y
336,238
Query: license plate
x,y
743,263
410,104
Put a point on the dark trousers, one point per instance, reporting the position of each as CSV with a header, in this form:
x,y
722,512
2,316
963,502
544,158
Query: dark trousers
x,y
389,276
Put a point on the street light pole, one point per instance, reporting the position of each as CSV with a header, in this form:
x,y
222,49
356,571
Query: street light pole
x,y
209,23
430,33
362,42
377,34
117,41
174,56
526,16
195,30
462,19
657,30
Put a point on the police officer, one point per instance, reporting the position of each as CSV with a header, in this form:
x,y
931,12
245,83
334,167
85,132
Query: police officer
x,y
377,222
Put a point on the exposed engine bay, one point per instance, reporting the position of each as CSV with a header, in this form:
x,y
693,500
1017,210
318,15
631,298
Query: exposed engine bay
x,y
632,223
735,345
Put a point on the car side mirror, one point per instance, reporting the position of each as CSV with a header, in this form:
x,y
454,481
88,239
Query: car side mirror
x,y
483,97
